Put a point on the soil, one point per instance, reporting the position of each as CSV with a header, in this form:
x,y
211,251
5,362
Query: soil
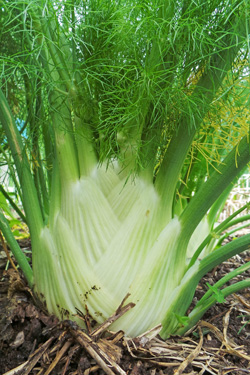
x,y
33,342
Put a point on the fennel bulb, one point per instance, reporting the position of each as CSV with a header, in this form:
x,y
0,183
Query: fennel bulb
x,y
106,240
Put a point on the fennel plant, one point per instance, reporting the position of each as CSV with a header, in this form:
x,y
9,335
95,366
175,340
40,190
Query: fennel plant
x,y
128,156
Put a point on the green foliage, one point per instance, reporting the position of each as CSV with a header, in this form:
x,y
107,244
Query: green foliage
x,y
217,293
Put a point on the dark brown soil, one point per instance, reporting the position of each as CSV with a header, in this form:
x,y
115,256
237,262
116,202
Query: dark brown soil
x,y
31,342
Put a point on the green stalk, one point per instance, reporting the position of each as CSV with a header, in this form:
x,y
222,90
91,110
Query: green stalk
x,y
44,188
197,313
223,253
12,173
12,203
222,282
48,140
183,295
47,29
217,230
61,93
144,127
15,248
229,222
64,138
169,173
201,98
86,153
34,121
232,165
238,228
219,204
56,193
30,199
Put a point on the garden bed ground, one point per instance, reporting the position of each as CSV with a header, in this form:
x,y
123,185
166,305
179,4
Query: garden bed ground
x,y
31,342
